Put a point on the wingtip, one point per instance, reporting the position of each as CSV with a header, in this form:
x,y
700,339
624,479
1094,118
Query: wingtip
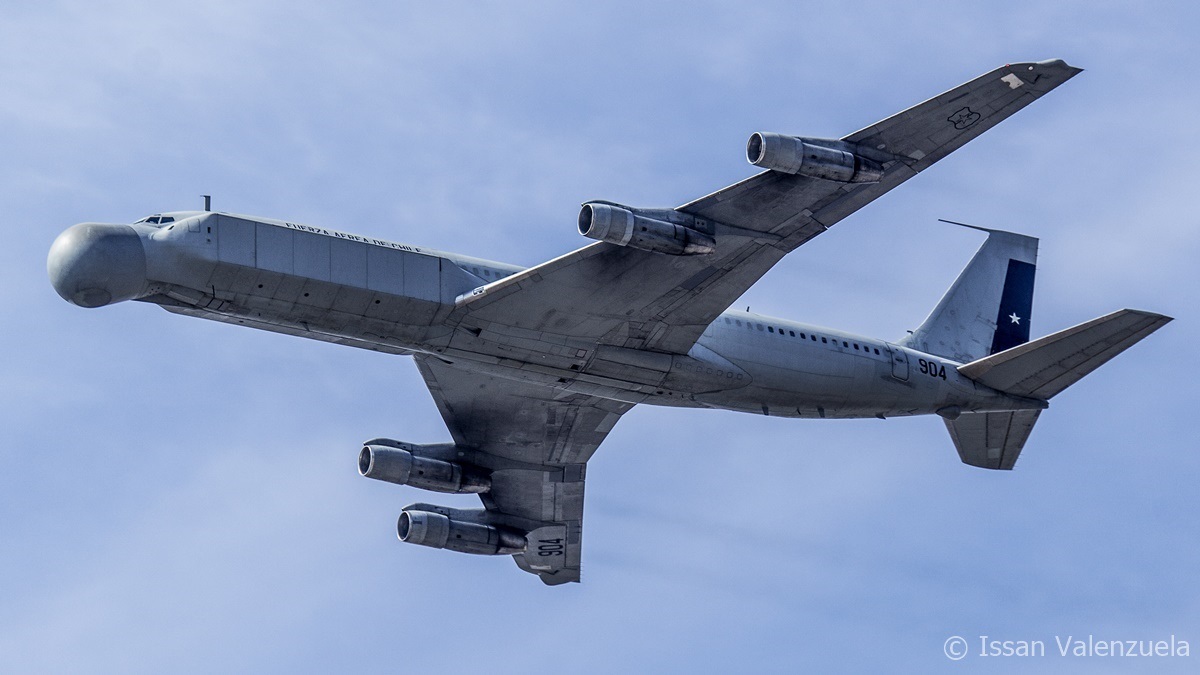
x,y
1065,71
1058,63
1160,319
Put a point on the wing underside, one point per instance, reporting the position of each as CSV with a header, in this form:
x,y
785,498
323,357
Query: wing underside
x,y
646,300
537,442
535,439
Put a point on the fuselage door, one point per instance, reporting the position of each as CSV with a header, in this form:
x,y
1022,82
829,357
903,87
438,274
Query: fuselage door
x,y
899,363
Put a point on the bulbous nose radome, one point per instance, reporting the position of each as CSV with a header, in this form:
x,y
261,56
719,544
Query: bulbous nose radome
x,y
96,264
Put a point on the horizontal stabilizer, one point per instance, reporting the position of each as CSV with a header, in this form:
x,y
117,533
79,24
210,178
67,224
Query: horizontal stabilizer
x,y
1044,367
991,440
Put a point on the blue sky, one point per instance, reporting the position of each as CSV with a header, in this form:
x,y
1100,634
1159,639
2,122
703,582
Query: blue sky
x,y
181,496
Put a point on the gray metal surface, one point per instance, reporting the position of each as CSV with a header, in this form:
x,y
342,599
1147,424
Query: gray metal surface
x,y
94,264
830,159
962,325
531,369
1045,367
664,304
624,227
541,441
992,440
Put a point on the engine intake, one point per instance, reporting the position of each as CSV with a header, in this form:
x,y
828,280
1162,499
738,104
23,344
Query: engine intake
x,y
435,530
814,157
403,467
623,227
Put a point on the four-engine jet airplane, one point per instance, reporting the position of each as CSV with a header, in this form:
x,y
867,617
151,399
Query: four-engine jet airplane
x,y
531,368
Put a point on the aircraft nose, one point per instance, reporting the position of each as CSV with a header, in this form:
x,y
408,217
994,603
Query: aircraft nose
x,y
97,264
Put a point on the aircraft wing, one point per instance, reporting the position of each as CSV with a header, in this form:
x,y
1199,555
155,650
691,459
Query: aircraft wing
x,y
644,300
538,441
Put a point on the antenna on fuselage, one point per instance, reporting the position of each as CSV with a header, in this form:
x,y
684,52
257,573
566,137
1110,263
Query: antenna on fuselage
x,y
207,202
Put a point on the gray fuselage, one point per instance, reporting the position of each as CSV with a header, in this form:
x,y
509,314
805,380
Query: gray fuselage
x,y
330,286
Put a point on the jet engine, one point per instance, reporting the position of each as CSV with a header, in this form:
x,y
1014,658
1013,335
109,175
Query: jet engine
x,y
815,157
403,467
623,227
435,530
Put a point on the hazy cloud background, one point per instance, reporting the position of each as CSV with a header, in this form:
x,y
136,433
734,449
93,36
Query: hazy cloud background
x,y
181,496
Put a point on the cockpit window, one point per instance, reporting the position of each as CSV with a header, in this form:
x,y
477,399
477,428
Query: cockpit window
x,y
156,220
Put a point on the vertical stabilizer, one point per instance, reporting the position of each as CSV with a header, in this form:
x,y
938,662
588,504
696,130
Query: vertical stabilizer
x,y
987,309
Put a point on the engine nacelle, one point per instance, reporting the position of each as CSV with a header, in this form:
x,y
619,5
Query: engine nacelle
x,y
402,467
814,157
438,531
625,228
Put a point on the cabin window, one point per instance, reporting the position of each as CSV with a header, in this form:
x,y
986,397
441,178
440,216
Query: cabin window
x,y
792,333
726,319
845,344
823,340
770,329
759,325
877,350
855,346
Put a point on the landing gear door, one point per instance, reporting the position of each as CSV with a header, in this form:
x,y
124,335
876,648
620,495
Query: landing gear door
x,y
899,363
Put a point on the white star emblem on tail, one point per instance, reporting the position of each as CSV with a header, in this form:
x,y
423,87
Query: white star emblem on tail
x,y
1015,319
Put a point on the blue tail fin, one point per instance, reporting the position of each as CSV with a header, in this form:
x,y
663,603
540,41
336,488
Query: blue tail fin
x,y
1016,306
988,308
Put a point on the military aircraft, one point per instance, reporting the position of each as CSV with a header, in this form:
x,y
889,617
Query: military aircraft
x,y
532,368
